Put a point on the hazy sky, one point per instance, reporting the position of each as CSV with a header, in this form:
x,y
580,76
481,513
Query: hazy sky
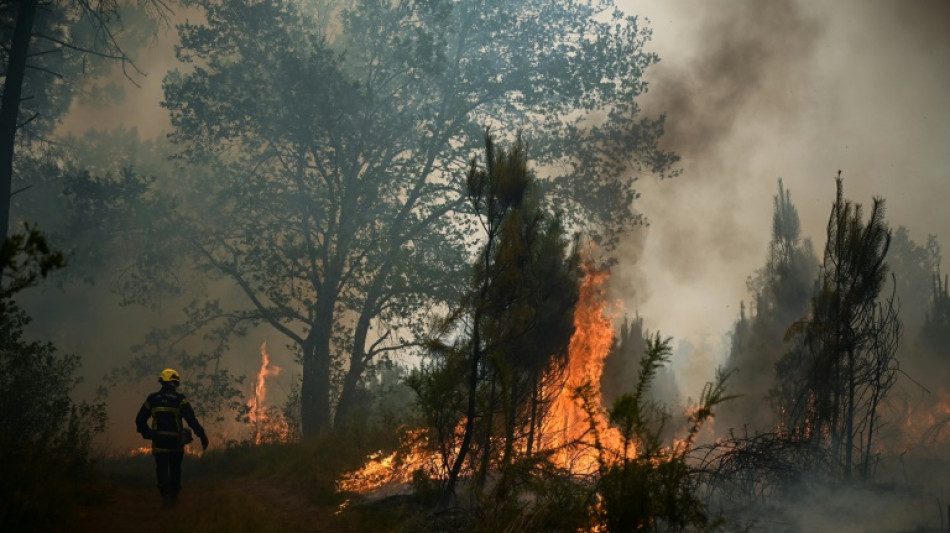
x,y
754,91
796,89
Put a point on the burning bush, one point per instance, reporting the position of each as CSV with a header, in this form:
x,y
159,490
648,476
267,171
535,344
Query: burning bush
x,y
509,397
587,469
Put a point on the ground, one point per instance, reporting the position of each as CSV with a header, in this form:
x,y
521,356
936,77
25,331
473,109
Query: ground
x,y
210,501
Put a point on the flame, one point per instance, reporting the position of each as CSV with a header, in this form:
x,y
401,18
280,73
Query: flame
x,y
927,424
141,450
268,425
396,470
569,427
147,450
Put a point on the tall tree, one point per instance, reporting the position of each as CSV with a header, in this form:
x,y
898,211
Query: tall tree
x,y
918,293
780,292
935,333
622,368
516,319
914,266
833,383
338,150
45,43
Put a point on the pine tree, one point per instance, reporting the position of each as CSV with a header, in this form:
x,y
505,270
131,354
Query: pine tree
x,y
831,385
780,292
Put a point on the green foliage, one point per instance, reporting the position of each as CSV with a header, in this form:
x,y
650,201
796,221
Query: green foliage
x,y
440,398
649,485
25,258
336,136
639,420
511,332
45,436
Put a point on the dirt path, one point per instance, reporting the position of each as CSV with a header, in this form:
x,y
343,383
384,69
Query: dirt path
x,y
207,503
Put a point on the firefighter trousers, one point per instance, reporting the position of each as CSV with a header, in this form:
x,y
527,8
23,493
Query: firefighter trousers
x,y
168,470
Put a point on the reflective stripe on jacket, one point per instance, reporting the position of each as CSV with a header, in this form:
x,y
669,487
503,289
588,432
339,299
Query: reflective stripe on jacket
x,y
166,409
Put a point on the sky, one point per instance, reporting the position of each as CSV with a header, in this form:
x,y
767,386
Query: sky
x,y
753,91
791,89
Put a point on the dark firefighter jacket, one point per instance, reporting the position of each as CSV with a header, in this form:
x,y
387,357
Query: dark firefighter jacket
x,y
166,408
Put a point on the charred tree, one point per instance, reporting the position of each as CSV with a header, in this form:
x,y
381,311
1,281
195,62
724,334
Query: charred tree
x,y
831,384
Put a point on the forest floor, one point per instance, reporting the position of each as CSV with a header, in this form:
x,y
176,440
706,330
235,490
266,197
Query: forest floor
x,y
210,501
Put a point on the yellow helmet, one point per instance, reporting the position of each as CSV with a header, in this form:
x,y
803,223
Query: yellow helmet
x,y
169,375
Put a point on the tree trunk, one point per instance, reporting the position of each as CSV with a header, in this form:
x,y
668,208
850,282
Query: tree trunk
x,y
315,387
470,411
533,419
849,422
358,357
358,360
348,394
486,442
511,414
10,104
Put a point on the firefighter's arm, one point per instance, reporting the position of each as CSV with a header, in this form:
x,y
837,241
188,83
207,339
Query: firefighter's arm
x,y
141,421
189,415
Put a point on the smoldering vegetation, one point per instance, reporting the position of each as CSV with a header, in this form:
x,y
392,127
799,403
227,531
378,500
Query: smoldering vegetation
x,y
382,242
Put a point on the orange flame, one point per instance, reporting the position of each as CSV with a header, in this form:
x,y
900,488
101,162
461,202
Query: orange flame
x,y
147,450
392,473
927,424
267,425
569,428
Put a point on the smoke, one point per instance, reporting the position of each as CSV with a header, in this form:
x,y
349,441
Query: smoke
x,y
751,55
797,89
847,509
753,91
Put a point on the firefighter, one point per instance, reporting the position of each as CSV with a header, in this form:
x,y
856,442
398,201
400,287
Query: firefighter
x,y
166,409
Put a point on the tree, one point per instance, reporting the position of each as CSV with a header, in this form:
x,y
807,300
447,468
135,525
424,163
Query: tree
x,y
338,148
622,364
647,485
935,333
831,385
513,327
918,291
45,435
914,266
43,45
780,295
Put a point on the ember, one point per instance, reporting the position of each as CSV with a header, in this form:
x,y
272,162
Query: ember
x,y
926,424
395,470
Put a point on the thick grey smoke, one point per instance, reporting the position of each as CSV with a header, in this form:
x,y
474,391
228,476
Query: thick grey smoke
x,y
796,89
750,61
